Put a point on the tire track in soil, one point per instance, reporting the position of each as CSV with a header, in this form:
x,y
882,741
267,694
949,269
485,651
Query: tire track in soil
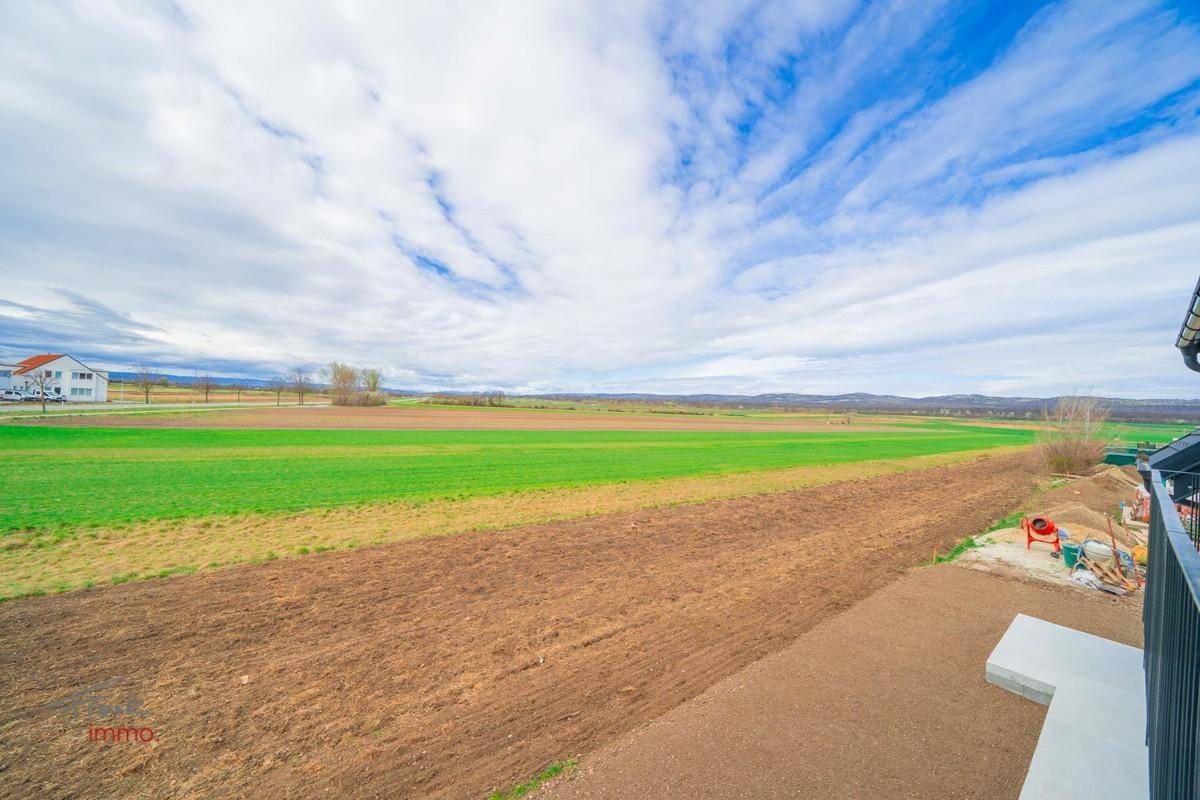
x,y
454,666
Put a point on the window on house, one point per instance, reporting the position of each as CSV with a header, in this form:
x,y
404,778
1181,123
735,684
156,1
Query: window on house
x,y
79,391
81,376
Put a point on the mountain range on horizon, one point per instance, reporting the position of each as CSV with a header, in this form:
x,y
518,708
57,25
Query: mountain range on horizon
x,y
968,405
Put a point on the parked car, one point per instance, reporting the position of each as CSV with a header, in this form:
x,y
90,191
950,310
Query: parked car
x,y
12,395
36,397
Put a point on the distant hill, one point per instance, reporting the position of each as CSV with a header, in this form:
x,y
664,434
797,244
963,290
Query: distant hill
x,y
952,405
187,380
949,405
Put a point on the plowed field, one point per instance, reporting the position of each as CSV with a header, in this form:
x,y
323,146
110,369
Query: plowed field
x,y
450,667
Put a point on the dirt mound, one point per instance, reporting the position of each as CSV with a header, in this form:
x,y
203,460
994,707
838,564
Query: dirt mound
x,y
451,667
1118,478
1084,523
1085,505
1102,492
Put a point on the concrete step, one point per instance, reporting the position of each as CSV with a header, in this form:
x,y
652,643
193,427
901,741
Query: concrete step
x,y
1092,743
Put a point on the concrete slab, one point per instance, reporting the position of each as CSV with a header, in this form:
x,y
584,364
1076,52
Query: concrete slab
x,y
1092,743
1003,552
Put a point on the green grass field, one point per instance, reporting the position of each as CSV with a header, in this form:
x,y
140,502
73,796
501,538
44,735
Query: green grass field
x,y
1134,432
63,479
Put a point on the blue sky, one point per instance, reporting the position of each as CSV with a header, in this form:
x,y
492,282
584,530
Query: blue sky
x,y
913,198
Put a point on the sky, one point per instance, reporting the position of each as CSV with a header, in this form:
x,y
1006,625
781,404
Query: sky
x,y
741,197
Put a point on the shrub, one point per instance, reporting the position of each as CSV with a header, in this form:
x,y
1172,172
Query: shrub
x,y
364,399
494,398
350,386
344,382
1071,441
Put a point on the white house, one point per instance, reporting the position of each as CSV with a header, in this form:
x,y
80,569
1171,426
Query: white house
x,y
68,377
6,373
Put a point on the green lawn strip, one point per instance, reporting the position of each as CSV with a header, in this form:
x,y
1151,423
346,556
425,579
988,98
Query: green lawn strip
x,y
958,549
63,479
1134,432
1011,521
551,771
971,542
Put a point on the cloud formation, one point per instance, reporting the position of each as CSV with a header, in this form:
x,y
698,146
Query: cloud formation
x,y
816,197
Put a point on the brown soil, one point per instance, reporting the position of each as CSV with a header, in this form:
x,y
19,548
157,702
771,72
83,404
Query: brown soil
x,y
887,699
1103,491
451,667
422,417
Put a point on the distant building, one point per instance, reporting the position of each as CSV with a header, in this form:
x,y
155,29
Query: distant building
x,y
70,378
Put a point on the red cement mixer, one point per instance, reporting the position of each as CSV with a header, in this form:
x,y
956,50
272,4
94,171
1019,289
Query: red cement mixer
x,y
1040,529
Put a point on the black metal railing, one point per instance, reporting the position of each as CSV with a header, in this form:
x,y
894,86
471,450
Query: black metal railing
x,y
1171,621
1184,488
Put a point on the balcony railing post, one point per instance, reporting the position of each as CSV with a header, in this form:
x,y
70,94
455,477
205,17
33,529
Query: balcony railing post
x,y
1171,618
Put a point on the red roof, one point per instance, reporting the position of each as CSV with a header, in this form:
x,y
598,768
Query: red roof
x,y
33,362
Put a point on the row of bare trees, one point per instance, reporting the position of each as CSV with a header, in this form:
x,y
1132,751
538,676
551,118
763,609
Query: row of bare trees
x,y
298,380
348,385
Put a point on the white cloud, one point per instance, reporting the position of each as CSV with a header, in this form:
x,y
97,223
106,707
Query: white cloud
x,y
621,197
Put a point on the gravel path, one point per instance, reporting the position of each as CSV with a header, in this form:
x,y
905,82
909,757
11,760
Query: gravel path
x,y
885,700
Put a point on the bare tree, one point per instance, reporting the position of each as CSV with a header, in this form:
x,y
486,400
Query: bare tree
x,y
146,379
370,380
343,381
301,382
42,382
1072,439
277,385
206,383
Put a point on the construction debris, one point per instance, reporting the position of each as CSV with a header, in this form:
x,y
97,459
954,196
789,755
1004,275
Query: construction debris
x,y
1087,547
